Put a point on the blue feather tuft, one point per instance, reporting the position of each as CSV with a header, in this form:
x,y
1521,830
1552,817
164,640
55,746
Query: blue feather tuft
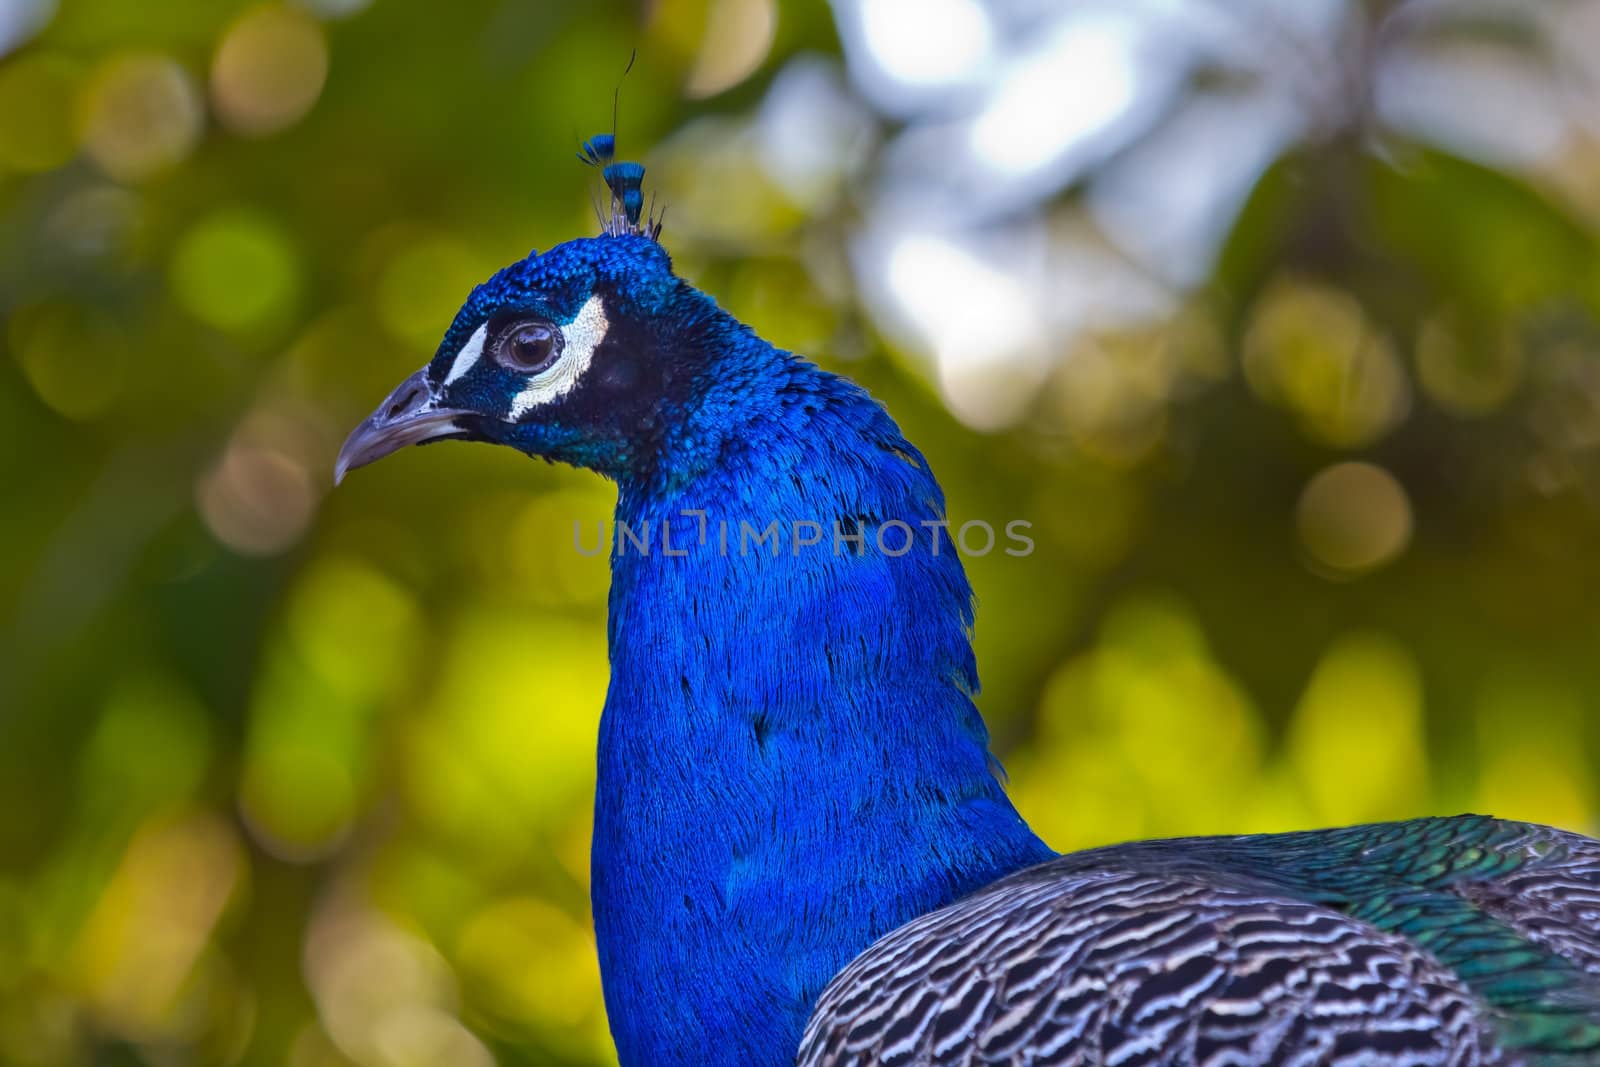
x,y
625,180
598,150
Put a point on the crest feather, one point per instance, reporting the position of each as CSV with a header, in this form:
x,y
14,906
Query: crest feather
x,y
625,181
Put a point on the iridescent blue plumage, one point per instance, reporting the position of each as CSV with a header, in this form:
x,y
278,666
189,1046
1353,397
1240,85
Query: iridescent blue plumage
x,y
792,769
599,150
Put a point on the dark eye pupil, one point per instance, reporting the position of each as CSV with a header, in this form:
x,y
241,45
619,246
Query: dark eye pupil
x,y
531,344
528,346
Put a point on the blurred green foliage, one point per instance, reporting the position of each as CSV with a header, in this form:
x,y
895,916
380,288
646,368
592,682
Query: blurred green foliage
x,y
298,777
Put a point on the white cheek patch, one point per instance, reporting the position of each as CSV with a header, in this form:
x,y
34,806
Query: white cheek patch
x,y
581,337
469,354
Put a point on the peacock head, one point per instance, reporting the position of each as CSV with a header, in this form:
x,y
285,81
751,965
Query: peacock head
x,y
582,354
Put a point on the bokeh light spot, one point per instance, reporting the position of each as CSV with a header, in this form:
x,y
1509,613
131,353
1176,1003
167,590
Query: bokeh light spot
x,y
1467,378
97,221
737,38
718,185
353,625
1113,392
425,1037
235,270
258,499
1356,741
150,748
75,358
142,941
927,42
37,94
1311,349
539,545
975,317
297,799
1145,734
478,743
1353,517
496,945
422,286
139,114
21,19
812,132
385,996
1077,86
269,70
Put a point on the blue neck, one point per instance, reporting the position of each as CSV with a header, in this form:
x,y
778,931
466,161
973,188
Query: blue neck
x,y
790,761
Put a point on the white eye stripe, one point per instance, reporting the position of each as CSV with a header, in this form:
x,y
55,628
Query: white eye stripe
x,y
581,337
469,354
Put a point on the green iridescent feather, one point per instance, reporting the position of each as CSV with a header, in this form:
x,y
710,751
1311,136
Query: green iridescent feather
x,y
1496,902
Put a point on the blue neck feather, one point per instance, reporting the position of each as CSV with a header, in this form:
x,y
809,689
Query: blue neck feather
x,y
790,762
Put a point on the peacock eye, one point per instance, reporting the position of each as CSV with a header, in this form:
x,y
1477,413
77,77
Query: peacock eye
x,y
527,346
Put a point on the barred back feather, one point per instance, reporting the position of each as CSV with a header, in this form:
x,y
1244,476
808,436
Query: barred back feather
x,y
1452,942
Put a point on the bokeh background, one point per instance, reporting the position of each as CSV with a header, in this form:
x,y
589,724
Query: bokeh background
x,y
1279,320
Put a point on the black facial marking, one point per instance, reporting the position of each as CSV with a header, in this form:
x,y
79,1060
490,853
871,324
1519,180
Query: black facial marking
x,y
619,375
633,380
625,384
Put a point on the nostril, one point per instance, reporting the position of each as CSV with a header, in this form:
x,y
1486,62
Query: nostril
x,y
405,400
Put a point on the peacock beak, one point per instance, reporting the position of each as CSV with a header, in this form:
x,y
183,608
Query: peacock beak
x,y
410,415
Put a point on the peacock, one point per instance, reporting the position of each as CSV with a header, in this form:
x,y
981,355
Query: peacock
x,y
802,846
